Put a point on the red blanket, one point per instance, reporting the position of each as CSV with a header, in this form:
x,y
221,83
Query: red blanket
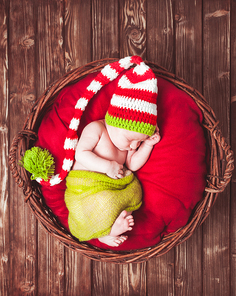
x,y
173,179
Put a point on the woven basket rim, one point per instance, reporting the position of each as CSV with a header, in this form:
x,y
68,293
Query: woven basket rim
x,y
219,174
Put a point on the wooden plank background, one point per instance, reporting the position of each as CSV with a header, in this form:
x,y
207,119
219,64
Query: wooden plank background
x,y
40,40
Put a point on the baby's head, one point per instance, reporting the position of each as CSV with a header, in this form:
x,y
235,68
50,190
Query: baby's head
x,y
124,139
133,107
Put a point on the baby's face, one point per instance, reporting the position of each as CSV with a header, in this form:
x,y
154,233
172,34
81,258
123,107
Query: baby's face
x,y
124,139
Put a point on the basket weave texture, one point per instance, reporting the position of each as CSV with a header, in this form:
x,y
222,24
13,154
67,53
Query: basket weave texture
x,y
219,173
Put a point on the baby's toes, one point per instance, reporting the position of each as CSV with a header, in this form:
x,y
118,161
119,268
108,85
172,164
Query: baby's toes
x,y
129,217
119,240
130,220
123,238
131,223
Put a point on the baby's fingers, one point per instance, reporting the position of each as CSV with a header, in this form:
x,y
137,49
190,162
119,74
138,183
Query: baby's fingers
x,y
120,174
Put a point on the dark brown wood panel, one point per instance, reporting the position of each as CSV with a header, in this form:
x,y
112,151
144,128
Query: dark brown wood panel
x,y
49,42
78,280
105,279
233,143
133,28
23,226
105,30
77,40
160,275
50,65
4,144
133,279
160,33
216,89
188,41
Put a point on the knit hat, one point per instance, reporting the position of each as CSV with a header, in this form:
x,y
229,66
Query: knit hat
x,y
137,92
133,105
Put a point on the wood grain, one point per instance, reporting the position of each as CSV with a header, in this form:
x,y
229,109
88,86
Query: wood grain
x,y
4,144
105,280
133,28
50,65
49,43
160,37
78,33
188,266
105,34
78,274
188,65
233,145
133,279
216,89
188,41
23,226
160,275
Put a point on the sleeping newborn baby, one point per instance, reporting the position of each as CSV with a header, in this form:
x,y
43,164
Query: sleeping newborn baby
x,y
101,189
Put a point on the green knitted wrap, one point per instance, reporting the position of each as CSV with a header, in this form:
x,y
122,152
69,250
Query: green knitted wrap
x,y
95,200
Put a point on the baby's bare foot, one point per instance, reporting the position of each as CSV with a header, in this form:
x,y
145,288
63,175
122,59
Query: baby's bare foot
x,y
113,241
123,223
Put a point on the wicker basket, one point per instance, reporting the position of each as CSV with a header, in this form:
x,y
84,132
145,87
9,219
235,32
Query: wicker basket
x,y
219,175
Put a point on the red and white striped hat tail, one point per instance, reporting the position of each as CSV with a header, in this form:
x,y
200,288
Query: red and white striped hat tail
x,y
107,74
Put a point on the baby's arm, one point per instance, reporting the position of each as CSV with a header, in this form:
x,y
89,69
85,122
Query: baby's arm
x,y
87,158
137,158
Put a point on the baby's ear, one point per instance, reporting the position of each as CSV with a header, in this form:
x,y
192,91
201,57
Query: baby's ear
x,y
157,129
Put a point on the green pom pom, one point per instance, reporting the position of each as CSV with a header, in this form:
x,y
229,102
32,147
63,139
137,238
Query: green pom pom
x,y
38,162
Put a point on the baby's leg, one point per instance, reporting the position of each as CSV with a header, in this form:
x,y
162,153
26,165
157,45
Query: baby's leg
x,y
123,223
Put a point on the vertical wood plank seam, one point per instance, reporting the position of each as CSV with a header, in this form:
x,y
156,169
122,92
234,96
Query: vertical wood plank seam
x,y
225,123
63,45
7,11
174,41
10,282
119,25
230,139
91,27
202,253
36,79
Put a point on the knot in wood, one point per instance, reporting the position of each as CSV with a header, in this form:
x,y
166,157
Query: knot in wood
x,y
135,34
27,42
178,17
27,287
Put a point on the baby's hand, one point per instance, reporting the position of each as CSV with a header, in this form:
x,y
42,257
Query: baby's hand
x,y
115,170
154,139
